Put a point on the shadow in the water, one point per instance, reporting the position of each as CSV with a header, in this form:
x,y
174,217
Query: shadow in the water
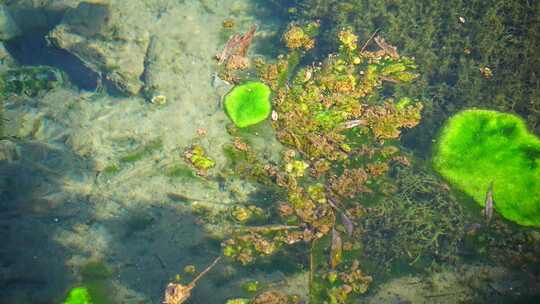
x,y
32,211
32,48
150,245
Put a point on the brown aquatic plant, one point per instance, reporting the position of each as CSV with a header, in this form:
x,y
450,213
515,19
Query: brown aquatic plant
x,y
341,143
386,47
271,297
176,293
235,51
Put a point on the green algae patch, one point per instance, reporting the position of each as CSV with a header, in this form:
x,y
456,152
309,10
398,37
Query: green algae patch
x,y
248,104
142,151
30,81
180,171
480,147
78,295
197,157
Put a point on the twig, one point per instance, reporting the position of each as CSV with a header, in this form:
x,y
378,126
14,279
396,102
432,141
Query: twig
x,y
268,228
200,275
392,80
311,266
160,260
369,40
353,123
179,197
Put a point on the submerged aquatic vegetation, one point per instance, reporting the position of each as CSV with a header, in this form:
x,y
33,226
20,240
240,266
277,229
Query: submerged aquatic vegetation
x,y
142,151
1,118
421,222
470,53
233,56
341,133
30,81
479,149
196,156
176,293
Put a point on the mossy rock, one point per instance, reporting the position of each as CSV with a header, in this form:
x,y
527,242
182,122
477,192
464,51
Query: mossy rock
x,y
480,147
78,295
30,81
248,104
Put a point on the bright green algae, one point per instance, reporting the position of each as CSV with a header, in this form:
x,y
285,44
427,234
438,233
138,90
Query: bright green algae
x,y
480,147
78,295
248,104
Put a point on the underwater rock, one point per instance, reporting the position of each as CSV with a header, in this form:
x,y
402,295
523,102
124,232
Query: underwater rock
x,y
8,27
5,58
37,16
9,151
105,42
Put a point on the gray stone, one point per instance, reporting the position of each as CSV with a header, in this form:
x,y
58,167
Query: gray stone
x,y
6,60
99,37
9,151
8,27
38,16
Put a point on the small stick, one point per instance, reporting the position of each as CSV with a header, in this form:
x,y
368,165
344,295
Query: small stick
x,y
311,265
268,228
160,260
204,271
369,40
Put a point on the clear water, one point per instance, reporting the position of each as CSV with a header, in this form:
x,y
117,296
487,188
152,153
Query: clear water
x,y
93,183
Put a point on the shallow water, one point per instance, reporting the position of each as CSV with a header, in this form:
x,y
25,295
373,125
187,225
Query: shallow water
x,y
95,190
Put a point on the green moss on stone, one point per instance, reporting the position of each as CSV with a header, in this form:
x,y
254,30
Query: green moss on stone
x,y
480,147
30,81
248,104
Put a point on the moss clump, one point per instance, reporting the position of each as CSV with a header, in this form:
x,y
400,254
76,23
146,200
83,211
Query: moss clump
x,y
78,295
480,147
30,81
197,157
248,104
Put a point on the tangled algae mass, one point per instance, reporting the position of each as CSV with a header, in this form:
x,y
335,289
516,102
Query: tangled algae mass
x,y
340,136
